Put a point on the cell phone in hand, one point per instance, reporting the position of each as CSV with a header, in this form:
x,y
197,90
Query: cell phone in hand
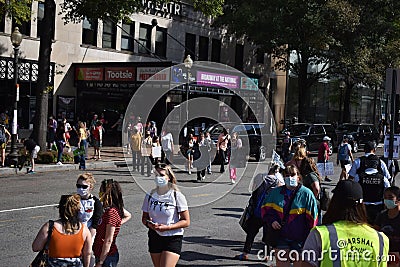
x,y
151,222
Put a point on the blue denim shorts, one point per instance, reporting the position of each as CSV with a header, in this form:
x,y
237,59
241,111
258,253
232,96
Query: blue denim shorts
x,y
289,244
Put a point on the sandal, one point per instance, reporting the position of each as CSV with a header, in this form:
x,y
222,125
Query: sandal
x,y
242,257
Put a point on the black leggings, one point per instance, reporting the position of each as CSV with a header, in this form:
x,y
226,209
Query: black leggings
x,y
255,224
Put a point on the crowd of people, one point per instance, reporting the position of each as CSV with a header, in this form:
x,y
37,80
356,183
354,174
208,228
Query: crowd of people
x,y
364,210
88,226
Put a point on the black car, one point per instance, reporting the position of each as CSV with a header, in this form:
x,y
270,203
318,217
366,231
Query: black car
x,y
358,134
312,133
255,133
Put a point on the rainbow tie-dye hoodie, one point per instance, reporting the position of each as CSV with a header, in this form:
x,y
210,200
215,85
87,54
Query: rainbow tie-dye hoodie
x,y
303,214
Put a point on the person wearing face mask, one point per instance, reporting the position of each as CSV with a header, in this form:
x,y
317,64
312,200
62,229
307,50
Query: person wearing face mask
x,y
388,221
165,214
114,216
91,207
289,213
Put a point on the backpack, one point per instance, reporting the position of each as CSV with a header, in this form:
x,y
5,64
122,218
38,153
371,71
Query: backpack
x,y
261,197
3,138
343,153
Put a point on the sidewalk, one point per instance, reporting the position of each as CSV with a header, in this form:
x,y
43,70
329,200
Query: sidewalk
x,y
111,157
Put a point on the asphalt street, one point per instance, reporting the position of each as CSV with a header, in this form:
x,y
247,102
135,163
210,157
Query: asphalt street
x,y
213,238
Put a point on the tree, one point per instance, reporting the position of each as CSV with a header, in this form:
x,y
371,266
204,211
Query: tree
x,y
346,37
76,11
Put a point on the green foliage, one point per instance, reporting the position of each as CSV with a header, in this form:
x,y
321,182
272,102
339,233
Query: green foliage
x,y
75,11
47,157
20,10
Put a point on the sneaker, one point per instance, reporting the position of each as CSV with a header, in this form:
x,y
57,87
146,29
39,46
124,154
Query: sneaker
x,y
31,172
59,163
198,181
203,178
209,172
328,179
190,172
233,181
242,257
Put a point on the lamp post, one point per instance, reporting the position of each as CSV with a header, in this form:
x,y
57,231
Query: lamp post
x,y
342,86
16,39
188,62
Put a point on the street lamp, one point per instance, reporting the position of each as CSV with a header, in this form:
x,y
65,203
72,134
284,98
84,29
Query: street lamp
x,y
16,39
342,86
188,62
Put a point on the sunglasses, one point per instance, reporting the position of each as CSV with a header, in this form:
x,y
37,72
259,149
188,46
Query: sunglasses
x,y
82,186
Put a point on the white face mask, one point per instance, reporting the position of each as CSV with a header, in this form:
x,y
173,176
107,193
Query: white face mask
x,y
291,181
160,181
82,192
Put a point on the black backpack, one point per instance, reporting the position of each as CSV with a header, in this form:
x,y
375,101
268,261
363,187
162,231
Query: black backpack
x,y
372,184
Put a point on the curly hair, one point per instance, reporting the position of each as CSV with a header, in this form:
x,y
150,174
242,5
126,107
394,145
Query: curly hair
x,y
68,208
87,177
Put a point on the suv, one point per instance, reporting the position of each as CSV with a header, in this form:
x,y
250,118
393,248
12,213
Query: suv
x,y
311,133
255,132
358,134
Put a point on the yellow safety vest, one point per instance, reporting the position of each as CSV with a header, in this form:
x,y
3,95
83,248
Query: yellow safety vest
x,y
347,244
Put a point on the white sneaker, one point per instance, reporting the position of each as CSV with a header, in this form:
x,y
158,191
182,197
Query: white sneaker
x,y
59,163
190,172
233,181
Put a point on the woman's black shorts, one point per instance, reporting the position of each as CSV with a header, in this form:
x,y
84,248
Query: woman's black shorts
x,y
158,244
344,162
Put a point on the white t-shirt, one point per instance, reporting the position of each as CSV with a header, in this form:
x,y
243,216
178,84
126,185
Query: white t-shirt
x,y
166,142
164,209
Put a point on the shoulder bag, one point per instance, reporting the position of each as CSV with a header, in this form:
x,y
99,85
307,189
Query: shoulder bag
x,y
272,236
42,258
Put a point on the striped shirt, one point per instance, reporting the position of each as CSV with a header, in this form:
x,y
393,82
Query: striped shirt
x,y
110,216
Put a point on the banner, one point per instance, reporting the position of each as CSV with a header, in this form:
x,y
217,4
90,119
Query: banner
x,y
88,74
396,143
325,169
223,80
144,73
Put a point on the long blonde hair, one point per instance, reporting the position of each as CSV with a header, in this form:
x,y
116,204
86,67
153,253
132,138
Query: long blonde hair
x,y
300,153
170,174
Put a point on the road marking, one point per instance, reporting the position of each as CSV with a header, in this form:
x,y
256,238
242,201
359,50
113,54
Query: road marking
x,y
202,195
29,208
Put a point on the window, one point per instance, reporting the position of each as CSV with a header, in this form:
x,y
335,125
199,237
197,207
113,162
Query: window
x,y
40,16
203,48
24,27
127,35
109,34
260,56
239,56
144,38
216,50
2,18
190,44
161,42
89,32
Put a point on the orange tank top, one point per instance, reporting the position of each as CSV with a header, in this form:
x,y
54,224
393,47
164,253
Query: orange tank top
x,y
66,246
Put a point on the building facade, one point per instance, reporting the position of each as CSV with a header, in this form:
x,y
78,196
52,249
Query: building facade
x,y
160,37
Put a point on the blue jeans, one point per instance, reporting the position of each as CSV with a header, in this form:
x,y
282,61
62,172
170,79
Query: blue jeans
x,y
111,261
60,148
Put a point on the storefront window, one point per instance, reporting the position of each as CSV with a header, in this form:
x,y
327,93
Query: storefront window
x,y
144,38
203,48
127,35
161,42
109,34
190,44
216,50
89,32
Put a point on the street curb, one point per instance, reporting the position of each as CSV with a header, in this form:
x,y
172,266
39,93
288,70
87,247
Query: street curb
x,y
65,167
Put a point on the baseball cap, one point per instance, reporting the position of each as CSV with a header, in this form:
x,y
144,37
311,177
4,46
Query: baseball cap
x,y
326,138
348,189
369,146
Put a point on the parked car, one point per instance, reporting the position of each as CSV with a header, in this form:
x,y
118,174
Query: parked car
x,y
311,133
255,132
358,134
